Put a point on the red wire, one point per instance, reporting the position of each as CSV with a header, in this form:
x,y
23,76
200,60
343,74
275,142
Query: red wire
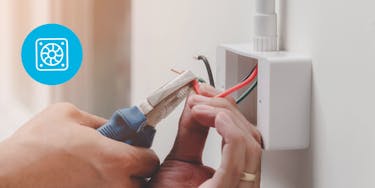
x,y
240,85
196,86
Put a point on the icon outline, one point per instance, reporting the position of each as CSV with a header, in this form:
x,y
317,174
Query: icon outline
x,y
65,54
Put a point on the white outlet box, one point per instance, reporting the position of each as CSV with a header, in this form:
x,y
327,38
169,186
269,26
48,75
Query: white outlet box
x,y
280,106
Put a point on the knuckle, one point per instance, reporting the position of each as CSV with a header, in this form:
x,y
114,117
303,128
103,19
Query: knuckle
x,y
152,157
237,171
155,162
222,102
258,135
254,149
208,90
66,109
225,103
223,114
63,105
254,132
231,100
205,87
192,99
227,112
237,137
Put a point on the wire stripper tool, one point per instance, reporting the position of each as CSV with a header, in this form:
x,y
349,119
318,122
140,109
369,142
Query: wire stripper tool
x,y
136,125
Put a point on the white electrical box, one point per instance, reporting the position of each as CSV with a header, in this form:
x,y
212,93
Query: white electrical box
x,y
280,105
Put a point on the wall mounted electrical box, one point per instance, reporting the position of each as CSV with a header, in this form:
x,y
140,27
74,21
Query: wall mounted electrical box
x,y
280,106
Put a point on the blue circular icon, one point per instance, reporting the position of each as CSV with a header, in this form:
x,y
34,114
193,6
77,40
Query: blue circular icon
x,y
52,54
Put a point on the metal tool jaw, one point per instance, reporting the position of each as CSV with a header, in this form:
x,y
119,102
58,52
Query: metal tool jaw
x,y
163,101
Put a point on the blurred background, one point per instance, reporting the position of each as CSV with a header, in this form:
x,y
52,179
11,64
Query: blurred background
x,y
129,48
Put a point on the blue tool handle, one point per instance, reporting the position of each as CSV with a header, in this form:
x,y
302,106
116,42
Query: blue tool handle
x,y
128,125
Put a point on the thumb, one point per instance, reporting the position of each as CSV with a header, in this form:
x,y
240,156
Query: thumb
x,y
191,136
137,162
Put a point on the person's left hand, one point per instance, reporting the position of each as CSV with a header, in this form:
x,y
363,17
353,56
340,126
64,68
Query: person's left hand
x,y
60,147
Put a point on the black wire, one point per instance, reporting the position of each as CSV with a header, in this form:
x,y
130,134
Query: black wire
x,y
208,67
248,75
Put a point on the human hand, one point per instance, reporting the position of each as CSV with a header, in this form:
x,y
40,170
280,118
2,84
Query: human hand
x,y
60,147
241,150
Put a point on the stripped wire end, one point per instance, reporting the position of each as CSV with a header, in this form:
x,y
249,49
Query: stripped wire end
x,y
208,68
176,71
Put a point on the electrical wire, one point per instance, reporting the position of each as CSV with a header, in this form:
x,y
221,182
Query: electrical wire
x,y
201,80
239,86
247,92
251,77
208,68
247,76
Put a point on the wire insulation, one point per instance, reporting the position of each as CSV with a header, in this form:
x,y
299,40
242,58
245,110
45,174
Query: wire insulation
x,y
247,92
208,68
248,75
239,86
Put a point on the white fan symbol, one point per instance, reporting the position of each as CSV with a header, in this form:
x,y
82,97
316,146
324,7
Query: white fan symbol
x,y
51,54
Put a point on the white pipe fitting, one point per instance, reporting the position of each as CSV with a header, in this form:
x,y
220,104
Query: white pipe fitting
x,y
265,26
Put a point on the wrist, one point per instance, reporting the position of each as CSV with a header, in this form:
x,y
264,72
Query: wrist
x,y
5,181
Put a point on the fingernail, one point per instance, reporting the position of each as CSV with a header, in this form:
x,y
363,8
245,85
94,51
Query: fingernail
x,y
208,90
261,142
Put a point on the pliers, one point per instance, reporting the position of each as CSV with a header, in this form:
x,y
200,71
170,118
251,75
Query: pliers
x,y
136,125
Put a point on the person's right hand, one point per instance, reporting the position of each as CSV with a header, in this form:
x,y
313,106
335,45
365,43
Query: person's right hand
x,y
60,147
241,146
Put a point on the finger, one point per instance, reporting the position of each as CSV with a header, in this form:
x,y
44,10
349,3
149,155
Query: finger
x,y
253,161
67,110
91,120
137,162
190,140
233,153
144,162
215,102
206,115
244,124
207,90
191,136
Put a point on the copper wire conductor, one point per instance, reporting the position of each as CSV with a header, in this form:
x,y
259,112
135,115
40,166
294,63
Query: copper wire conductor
x,y
176,71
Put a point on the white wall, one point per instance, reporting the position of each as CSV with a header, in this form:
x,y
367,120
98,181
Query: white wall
x,y
340,37
168,33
